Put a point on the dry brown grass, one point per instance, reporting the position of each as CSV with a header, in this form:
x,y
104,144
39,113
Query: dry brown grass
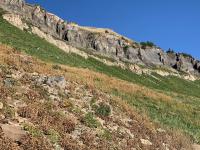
x,y
33,143
41,115
85,76
7,144
108,84
88,138
69,144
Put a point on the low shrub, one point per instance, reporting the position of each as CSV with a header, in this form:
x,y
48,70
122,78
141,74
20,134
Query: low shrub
x,y
90,121
53,136
106,134
147,44
103,110
35,132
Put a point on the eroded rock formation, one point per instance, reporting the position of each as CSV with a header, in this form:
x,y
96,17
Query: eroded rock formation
x,y
102,40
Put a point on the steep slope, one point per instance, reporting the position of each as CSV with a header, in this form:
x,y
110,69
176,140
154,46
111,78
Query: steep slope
x,y
169,101
102,40
42,107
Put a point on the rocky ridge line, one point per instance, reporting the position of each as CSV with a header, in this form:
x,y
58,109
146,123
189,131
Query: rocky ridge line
x,y
102,40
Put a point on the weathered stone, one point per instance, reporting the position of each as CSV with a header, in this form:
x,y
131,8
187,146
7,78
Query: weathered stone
x,y
145,142
8,82
13,132
56,81
161,130
1,105
2,117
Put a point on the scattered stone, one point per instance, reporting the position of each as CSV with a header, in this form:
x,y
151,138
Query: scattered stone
x,y
166,146
56,81
1,105
145,142
17,75
55,98
2,117
13,132
161,130
8,82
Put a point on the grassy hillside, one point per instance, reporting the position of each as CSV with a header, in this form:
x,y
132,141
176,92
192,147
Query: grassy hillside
x,y
44,107
180,113
40,48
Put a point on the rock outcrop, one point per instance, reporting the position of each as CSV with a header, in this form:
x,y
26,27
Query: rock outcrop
x,y
104,41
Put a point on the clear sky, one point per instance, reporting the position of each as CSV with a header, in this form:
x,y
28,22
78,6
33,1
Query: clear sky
x,y
168,23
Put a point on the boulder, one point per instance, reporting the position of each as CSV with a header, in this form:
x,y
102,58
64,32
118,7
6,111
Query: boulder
x,y
58,81
13,132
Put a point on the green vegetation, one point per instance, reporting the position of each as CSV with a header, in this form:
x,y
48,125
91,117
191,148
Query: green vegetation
x,y
35,132
56,67
186,55
53,136
8,111
1,11
90,121
147,44
106,134
103,110
181,113
170,51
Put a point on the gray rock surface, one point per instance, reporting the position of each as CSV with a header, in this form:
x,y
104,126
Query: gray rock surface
x,y
102,40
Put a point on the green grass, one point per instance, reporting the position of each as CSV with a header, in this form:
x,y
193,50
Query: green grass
x,y
182,113
35,132
90,121
53,136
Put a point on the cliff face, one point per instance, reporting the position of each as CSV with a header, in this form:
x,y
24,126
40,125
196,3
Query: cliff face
x,y
102,40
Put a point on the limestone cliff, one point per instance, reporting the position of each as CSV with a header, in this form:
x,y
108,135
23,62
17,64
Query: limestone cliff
x,y
104,41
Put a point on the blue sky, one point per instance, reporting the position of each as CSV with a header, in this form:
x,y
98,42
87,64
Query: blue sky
x,y
168,23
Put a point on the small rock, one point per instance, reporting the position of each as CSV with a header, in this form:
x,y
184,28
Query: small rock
x,y
1,105
58,147
17,75
51,90
8,76
35,74
41,80
145,142
8,82
56,81
67,92
166,146
161,130
2,117
53,97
